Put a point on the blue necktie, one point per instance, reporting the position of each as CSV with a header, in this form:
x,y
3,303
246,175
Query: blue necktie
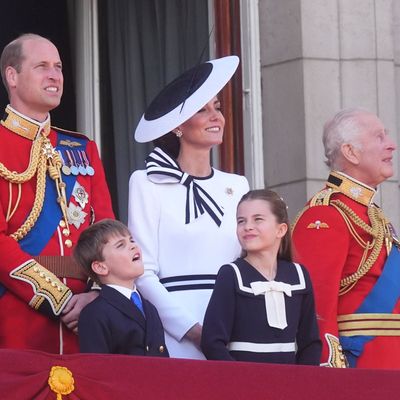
x,y
137,301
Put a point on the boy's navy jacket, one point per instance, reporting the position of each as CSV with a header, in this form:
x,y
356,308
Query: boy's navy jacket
x,y
113,324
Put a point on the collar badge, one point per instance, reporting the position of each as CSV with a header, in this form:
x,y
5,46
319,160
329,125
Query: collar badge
x,y
356,191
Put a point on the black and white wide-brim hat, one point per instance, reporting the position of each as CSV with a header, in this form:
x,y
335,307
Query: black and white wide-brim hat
x,y
184,96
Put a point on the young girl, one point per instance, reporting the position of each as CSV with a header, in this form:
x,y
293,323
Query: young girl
x,y
262,306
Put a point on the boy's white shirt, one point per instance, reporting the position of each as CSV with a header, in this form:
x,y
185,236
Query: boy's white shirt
x,y
124,290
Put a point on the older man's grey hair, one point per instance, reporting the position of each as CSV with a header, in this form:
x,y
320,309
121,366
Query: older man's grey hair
x,y
342,128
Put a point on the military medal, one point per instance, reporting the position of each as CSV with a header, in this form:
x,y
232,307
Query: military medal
x,y
65,169
80,195
73,167
89,168
82,170
48,150
74,170
82,167
76,163
76,216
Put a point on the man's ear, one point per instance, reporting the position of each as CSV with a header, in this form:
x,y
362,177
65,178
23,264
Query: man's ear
x,y
350,153
10,75
99,268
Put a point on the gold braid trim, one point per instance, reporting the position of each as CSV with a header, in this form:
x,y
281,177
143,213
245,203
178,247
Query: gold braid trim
x,y
336,358
45,285
48,159
10,212
23,230
321,198
376,230
15,177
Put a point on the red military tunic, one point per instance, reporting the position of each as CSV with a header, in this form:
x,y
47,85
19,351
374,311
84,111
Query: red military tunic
x,y
330,237
33,297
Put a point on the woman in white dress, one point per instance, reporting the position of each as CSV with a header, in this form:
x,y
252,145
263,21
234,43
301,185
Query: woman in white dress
x,y
182,211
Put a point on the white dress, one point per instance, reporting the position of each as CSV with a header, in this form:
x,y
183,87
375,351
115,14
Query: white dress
x,y
185,257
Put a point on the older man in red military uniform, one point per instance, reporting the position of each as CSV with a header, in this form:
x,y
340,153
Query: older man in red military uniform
x,y
350,248
52,186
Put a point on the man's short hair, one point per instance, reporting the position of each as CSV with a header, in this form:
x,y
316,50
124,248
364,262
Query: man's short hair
x,y
12,55
342,128
92,240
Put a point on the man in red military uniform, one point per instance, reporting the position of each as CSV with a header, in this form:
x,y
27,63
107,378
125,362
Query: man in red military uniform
x,y
52,186
350,248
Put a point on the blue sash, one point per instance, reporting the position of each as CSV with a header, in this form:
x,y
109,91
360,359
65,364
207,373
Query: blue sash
x,y
381,299
40,234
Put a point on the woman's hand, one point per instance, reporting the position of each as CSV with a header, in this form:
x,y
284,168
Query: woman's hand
x,y
194,334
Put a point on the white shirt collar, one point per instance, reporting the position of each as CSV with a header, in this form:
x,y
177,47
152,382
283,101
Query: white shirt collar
x,y
124,290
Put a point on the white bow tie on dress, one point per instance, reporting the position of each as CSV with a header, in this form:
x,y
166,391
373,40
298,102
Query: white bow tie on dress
x,y
274,301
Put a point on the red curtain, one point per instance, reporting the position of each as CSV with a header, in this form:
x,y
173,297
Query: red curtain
x,y
24,376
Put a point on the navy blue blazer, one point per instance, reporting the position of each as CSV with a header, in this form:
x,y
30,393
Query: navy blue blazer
x,y
113,324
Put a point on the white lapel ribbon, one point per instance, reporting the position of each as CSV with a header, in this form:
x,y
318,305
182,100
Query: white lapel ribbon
x,y
161,168
274,301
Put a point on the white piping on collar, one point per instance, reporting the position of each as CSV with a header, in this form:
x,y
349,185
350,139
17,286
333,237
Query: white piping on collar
x,y
247,289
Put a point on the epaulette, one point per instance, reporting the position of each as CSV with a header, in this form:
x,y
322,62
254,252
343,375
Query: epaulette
x,y
322,198
71,133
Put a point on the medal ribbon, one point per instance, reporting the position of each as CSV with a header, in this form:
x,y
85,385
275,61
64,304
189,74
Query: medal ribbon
x,y
38,237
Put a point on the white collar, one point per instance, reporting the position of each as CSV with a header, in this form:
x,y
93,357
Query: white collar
x,y
124,290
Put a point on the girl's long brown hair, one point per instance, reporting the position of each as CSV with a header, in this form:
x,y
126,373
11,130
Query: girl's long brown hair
x,y
279,209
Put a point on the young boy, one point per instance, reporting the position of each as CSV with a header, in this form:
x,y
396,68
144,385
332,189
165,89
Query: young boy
x,y
119,320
